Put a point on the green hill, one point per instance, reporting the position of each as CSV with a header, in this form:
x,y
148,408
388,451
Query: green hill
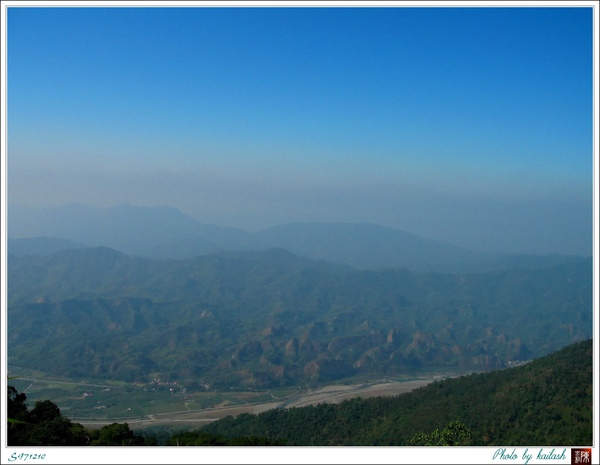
x,y
545,402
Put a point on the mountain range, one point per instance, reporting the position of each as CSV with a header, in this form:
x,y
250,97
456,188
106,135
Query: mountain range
x,y
165,232
127,293
271,318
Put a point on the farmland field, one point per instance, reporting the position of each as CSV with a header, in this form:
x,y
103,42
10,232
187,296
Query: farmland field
x,y
95,403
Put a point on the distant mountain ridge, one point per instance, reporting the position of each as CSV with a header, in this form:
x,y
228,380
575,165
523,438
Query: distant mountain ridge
x,y
130,229
165,232
41,245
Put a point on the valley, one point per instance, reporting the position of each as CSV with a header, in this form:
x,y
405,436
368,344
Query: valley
x,y
546,401
97,403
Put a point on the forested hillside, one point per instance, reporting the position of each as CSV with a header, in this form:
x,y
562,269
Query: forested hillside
x,y
547,401
261,319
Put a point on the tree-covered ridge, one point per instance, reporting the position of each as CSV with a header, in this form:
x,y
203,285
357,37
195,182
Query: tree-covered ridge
x,y
262,319
547,401
44,425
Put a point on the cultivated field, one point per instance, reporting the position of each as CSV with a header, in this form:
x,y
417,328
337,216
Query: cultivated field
x,y
95,403
328,394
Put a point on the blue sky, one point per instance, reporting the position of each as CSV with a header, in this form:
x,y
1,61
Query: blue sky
x,y
470,125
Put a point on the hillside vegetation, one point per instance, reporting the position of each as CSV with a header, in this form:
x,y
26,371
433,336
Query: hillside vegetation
x,y
270,318
545,402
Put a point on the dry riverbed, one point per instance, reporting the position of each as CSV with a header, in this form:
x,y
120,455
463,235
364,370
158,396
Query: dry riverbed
x,y
327,394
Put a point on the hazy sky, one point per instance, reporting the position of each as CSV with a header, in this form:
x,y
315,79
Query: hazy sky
x,y
471,125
